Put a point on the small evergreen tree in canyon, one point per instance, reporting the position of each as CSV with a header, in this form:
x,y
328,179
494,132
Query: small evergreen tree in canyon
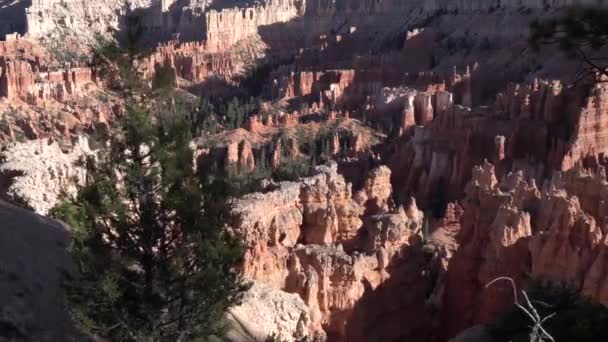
x,y
153,260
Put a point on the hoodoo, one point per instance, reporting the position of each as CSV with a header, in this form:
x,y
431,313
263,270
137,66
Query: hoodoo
x,y
303,170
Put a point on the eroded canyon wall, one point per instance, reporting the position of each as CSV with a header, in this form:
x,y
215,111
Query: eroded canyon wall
x,y
226,27
538,128
339,251
27,72
514,228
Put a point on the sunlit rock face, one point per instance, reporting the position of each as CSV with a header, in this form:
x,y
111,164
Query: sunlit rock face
x,y
267,312
30,73
512,228
537,128
315,239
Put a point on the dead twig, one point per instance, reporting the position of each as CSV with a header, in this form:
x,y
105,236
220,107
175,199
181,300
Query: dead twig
x,y
537,333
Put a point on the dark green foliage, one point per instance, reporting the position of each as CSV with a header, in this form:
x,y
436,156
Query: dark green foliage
x,y
580,32
121,54
205,119
132,32
256,78
316,145
109,57
217,113
164,78
292,170
319,146
234,115
314,148
153,259
240,183
577,319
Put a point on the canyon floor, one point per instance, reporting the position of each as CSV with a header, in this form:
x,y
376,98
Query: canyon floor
x,y
392,157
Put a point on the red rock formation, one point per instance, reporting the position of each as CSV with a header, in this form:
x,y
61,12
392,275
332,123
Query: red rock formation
x,y
376,192
331,87
444,101
238,157
300,211
254,123
589,136
231,42
537,128
16,77
232,156
25,74
423,108
246,161
228,26
287,119
300,238
277,154
15,45
292,148
408,118
191,61
356,144
513,229
335,144
27,84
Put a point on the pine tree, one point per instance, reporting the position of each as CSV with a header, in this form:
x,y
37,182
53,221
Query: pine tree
x,y
580,32
344,148
154,262
262,162
205,118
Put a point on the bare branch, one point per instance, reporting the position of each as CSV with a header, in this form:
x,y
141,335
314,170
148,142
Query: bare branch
x,y
537,333
512,285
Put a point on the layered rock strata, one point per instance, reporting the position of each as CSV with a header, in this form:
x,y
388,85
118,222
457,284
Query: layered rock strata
x,y
42,98
195,62
228,26
26,73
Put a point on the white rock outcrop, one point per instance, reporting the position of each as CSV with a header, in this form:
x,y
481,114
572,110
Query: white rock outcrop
x,y
267,312
35,173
